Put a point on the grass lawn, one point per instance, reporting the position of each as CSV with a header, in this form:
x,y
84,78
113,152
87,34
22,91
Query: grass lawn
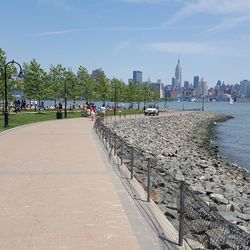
x,y
20,119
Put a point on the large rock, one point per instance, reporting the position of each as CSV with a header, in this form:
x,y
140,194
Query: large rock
x,y
218,198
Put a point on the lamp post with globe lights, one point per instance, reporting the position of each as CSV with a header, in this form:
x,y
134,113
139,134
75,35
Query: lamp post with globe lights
x,y
6,113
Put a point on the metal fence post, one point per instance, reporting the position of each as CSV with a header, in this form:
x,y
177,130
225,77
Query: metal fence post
x,y
132,163
102,133
109,138
149,181
181,218
121,151
115,145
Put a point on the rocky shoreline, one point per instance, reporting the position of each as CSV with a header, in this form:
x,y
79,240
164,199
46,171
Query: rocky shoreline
x,y
183,147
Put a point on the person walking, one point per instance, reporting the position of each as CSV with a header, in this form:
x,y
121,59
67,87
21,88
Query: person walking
x,y
93,113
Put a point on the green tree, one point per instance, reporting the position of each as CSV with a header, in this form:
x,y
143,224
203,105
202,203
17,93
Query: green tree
x,y
103,87
2,63
130,93
73,91
138,93
56,80
153,94
86,84
146,93
36,82
118,92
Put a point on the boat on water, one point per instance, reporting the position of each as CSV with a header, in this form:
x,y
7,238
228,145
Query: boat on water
x,y
231,101
194,99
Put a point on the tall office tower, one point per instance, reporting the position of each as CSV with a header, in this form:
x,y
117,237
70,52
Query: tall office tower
x,y
202,88
245,88
173,82
178,75
137,76
186,85
196,81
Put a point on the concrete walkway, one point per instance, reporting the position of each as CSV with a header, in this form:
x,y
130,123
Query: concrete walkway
x,y
58,192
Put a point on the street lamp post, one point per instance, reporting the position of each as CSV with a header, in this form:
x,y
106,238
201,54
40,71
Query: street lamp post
x,y
203,102
165,105
115,104
65,98
203,97
6,113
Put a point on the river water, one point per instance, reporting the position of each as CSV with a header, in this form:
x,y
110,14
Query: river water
x,y
234,134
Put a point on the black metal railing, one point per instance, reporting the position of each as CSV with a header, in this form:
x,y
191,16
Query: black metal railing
x,y
197,221
137,161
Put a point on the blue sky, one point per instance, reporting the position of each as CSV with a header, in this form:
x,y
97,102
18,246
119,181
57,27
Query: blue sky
x,y
212,37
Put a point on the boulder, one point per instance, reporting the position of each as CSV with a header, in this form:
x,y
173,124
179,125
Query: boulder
x,y
218,198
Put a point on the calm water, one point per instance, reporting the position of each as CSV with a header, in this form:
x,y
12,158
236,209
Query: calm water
x,y
234,134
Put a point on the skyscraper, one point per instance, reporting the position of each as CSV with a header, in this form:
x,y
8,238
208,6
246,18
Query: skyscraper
x,y
196,81
202,88
137,76
178,75
245,88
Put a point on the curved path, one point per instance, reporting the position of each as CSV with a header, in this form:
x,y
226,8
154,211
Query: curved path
x,y
56,192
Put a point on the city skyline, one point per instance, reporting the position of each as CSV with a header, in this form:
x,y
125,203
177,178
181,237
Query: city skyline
x,y
210,37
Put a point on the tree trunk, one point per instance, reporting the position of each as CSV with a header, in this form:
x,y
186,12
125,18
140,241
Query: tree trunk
x,y
39,106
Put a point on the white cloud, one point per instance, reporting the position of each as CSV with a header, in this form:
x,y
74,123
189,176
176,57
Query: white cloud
x,y
104,29
228,24
214,7
59,32
187,48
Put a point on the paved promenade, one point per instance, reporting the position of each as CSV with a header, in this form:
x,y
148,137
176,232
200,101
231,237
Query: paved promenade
x,y
58,191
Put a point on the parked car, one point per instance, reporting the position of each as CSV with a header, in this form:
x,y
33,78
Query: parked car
x,y
151,110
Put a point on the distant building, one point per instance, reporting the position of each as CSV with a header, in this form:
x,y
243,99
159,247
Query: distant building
x,y
137,76
218,89
187,89
245,88
173,82
167,90
186,85
160,88
196,82
173,93
202,88
178,76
